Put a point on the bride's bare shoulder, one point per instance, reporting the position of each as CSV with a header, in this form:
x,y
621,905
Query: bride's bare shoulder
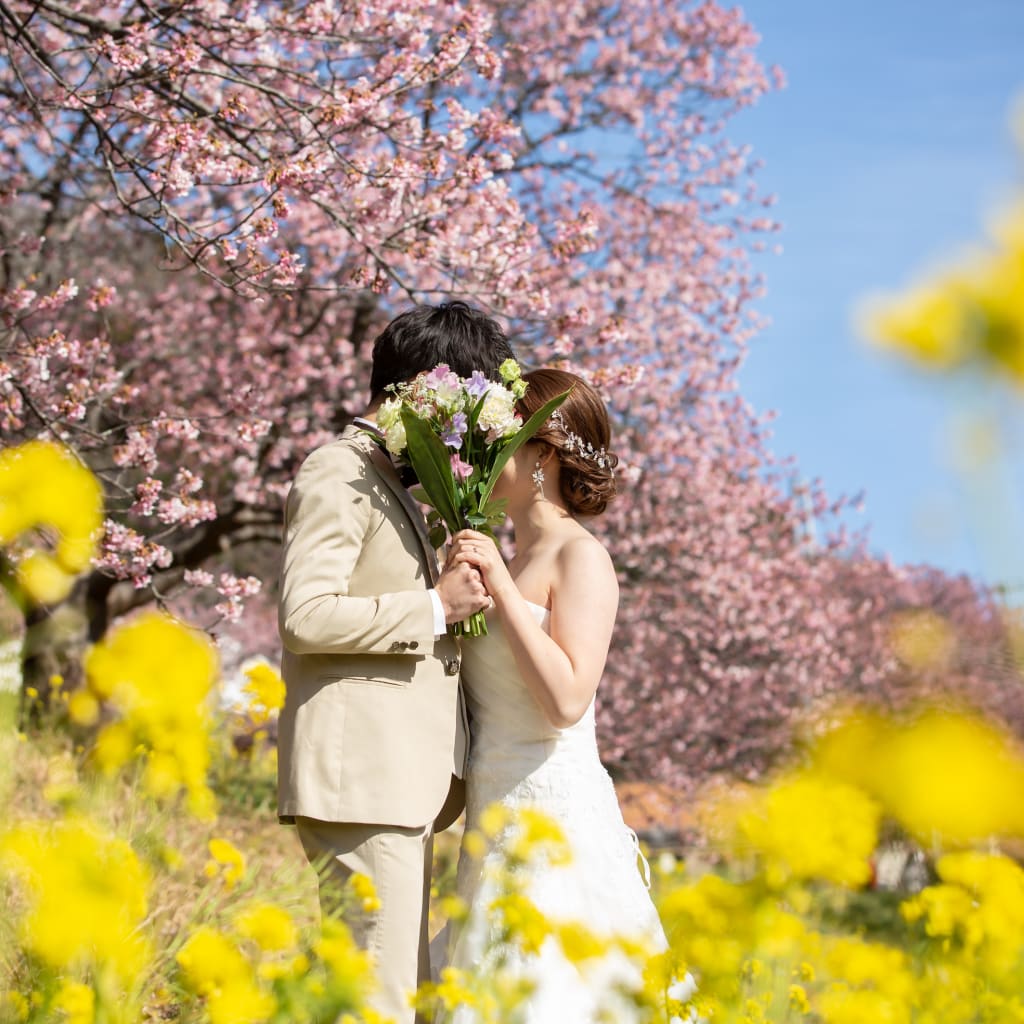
x,y
582,556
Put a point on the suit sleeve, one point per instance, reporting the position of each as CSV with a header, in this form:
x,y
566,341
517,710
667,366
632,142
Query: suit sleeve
x,y
326,521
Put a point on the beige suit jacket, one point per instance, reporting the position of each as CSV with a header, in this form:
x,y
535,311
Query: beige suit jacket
x,y
373,729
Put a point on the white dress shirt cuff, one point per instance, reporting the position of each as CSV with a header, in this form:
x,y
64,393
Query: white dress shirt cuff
x,y
440,621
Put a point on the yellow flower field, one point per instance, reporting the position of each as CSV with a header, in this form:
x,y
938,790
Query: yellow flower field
x,y
142,880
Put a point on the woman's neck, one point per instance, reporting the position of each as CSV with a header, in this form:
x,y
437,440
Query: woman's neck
x,y
536,519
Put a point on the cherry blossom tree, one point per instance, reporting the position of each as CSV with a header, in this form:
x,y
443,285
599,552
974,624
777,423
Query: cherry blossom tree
x,y
209,208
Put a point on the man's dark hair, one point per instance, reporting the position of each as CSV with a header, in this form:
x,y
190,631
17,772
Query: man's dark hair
x,y
417,340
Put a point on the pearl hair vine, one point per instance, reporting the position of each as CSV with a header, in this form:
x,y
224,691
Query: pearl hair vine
x,y
575,444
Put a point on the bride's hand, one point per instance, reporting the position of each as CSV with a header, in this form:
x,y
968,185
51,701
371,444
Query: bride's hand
x,y
482,553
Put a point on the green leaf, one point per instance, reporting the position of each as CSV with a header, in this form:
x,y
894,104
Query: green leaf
x,y
528,429
430,457
494,512
438,535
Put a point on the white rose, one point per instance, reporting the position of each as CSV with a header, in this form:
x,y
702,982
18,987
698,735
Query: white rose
x,y
498,413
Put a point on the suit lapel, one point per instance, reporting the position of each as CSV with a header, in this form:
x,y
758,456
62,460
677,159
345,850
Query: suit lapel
x,y
390,477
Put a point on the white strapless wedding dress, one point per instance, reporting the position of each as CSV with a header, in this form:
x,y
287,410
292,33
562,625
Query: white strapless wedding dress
x,y
518,759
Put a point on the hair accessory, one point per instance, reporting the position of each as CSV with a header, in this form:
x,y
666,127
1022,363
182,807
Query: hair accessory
x,y
575,444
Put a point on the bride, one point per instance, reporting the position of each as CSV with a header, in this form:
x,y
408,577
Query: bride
x,y
530,684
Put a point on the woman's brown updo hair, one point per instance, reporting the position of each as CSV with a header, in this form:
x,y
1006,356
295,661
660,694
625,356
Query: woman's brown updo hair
x,y
586,486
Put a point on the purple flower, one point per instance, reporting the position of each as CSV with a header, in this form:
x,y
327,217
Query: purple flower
x,y
455,431
477,385
462,470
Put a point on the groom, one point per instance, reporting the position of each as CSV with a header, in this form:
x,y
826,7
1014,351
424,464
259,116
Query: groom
x,y
372,738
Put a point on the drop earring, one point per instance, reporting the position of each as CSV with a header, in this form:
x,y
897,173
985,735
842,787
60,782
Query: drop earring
x,y
538,478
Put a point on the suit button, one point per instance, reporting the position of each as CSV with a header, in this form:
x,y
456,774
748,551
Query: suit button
x,y
451,666
413,644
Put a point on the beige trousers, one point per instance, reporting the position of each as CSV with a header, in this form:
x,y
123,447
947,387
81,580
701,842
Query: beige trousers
x,y
398,861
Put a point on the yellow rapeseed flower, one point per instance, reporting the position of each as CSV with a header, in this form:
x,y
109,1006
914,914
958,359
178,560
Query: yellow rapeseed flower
x,y
270,927
84,708
17,1003
753,1012
580,943
350,967
752,969
808,826
778,933
945,776
927,322
43,578
295,967
991,919
872,965
521,920
86,895
539,835
805,971
493,819
43,487
210,959
226,860
973,312
455,988
266,689
364,890
841,1004
242,1001
798,999
955,778
710,923
454,908
944,909
77,1001
474,844
215,968
159,675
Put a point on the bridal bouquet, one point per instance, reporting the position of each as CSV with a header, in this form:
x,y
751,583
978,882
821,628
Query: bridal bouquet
x,y
457,433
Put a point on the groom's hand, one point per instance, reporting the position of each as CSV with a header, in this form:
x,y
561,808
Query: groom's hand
x,y
462,593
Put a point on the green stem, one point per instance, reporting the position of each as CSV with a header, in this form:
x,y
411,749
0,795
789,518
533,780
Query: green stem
x,y
475,625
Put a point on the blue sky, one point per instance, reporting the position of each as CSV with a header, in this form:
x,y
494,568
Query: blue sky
x,y
887,149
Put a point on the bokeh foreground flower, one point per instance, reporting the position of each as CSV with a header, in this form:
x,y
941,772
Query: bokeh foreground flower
x,y
156,675
51,507
948,777
85,897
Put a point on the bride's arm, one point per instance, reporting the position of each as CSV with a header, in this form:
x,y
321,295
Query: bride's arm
x,y
562,669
